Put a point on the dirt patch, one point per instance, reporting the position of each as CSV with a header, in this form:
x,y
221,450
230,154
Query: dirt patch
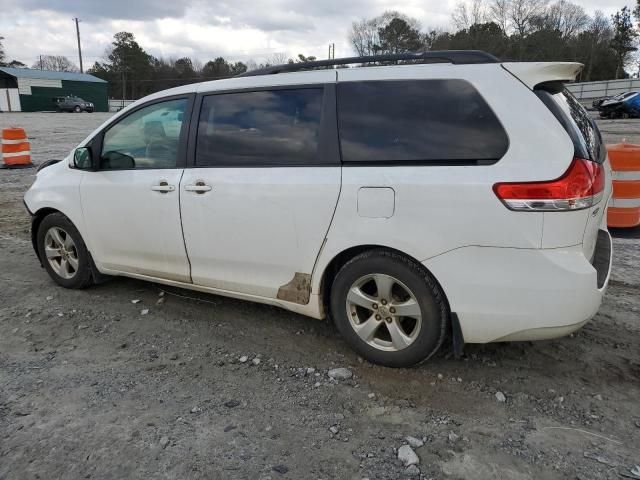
x,y
209,387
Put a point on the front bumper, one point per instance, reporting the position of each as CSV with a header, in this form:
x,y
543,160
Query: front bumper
x,y
509,294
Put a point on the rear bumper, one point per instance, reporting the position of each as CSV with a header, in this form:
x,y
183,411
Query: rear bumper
x,y
509,294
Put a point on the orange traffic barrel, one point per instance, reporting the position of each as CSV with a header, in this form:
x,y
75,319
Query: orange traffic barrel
x,y
15,148
624,208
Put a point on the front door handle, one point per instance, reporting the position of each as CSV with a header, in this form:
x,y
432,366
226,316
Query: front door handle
x,y
163,187
199,187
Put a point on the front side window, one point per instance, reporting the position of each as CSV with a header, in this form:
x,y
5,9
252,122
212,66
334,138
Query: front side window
x,y
265,128
417,121
148,138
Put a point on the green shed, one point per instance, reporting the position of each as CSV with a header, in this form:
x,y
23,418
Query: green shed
x,y
30,90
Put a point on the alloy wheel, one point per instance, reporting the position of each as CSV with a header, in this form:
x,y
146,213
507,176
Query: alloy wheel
x,y
384,312
61,252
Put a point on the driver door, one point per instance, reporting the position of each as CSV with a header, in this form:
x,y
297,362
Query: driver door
x,y
131,204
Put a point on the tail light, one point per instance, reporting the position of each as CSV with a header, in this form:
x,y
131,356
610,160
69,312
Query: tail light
x,y
581,186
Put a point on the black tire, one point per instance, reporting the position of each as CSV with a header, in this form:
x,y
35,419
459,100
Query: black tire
x,y
82,277
429,296
77,109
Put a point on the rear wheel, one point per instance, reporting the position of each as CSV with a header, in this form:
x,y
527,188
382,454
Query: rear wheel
x,y
63,252
389,309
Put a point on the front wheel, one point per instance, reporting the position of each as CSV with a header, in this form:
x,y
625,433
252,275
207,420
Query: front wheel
x,y
389,309
77,109
63,252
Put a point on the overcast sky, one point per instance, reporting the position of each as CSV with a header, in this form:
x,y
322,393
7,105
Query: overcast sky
x,y
235,29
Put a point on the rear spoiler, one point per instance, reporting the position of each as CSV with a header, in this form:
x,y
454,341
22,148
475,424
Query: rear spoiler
x,y
535,73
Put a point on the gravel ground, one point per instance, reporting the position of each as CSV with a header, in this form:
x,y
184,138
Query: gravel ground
x,y
210,387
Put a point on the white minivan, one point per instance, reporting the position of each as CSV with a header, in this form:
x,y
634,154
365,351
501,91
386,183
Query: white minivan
x,y
451,196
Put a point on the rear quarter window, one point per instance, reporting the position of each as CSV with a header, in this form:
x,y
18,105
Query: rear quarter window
x,y
418,122
576,121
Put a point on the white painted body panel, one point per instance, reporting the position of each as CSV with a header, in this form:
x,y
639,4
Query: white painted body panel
x,y
132,228
508,275
257,227
58,187
518,294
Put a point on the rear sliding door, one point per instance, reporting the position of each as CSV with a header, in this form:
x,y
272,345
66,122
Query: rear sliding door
x,y
264,182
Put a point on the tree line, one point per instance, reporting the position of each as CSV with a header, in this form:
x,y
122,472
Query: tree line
x,y
518,30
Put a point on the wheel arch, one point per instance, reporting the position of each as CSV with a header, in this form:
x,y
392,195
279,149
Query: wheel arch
x,y
36,220
333,266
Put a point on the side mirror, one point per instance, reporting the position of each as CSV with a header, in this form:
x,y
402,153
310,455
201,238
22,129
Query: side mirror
x,y
83,159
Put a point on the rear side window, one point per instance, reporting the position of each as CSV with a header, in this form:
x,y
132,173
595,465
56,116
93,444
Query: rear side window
x,y
418,121
582,129
264,128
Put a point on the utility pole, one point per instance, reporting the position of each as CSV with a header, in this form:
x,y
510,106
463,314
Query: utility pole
x,y
332,51
40,62
77,20
124,87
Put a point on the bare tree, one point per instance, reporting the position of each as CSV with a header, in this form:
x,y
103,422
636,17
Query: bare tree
x,y
364,34
468,13
57,63
523,13
517,16
1,51
566,17
499,13
197,65
278,58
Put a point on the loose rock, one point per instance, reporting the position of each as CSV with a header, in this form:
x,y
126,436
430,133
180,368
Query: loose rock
x,y
500,397
134,302
256,361
412,471
453,437
414,442
144,311
281,469
334,429
232,403
340,373
407,456
164,441
243,359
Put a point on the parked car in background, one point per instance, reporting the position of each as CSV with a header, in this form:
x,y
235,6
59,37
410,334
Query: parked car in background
x,y
73,104
624,105
410,203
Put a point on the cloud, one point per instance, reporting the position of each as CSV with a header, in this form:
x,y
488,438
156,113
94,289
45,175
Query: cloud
x,y
109,9
205,29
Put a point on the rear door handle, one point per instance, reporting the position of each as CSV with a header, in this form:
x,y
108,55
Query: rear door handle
x,y
163,187
199,187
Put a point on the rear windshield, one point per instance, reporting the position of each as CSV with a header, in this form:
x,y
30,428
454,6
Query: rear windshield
x,y
582,129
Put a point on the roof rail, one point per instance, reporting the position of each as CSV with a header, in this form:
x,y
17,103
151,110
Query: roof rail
x,y
456,57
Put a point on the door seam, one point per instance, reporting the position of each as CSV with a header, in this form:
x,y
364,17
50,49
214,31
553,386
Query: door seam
x,y
184,240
